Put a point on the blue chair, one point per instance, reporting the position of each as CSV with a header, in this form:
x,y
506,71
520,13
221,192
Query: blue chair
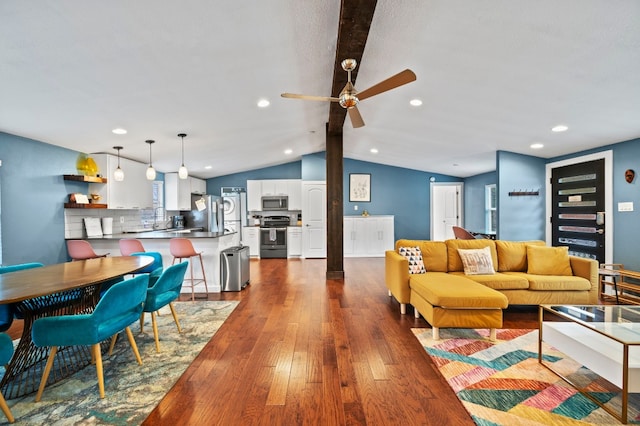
x,y
120,306
155,269
7,312
6,352
162,293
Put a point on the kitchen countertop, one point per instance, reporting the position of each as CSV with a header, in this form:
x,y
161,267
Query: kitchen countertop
x,y
160,234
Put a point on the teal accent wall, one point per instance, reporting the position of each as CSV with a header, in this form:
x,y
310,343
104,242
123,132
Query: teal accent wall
x,y
474,200
314,166
520,218
33,194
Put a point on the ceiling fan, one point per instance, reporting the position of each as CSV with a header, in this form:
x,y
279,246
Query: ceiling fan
x,y
349,96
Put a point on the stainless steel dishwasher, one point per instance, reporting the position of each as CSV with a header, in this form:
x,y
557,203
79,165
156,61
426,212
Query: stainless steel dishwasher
x,y
234,268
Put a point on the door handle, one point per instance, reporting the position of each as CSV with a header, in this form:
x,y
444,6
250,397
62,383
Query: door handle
x,y
600,231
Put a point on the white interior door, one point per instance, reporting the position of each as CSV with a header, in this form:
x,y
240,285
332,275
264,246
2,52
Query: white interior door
x,y
314,219
446,209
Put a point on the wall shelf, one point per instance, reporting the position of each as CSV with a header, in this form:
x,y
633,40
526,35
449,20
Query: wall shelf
x,y
84,206
82,178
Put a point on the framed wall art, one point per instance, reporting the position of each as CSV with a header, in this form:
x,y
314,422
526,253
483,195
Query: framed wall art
x,y
360,187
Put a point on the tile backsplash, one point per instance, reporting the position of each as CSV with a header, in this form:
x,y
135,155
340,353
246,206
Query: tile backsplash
x,y
122,220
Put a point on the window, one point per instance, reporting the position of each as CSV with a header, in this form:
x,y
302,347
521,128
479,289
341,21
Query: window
x,y
490,209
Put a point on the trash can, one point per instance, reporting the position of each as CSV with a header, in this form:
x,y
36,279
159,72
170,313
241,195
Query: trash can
x,y
234,268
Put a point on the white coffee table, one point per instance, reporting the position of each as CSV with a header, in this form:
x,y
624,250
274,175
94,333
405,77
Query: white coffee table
x,y
603,338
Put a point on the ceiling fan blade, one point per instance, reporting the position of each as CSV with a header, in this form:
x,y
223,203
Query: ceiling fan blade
x,y
404,77
309,98
355,117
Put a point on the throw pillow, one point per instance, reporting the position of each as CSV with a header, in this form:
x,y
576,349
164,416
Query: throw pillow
x,y
544,260
414,256
477,261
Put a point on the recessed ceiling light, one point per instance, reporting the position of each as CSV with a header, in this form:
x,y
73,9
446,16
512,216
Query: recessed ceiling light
x,y
560,128
374,150
288,151
415,102
119,131
208,167
536,146
263,103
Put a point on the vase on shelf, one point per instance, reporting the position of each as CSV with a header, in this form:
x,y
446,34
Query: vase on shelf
x,y
86,165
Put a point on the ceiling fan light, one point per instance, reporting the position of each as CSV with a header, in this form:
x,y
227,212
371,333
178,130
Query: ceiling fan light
x,y
183,173
347,100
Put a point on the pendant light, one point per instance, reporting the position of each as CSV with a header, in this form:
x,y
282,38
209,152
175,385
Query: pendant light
x,y
118,174
183,173
151,172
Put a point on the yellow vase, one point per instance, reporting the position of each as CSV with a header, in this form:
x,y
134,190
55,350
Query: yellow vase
x,y
81,164
91,167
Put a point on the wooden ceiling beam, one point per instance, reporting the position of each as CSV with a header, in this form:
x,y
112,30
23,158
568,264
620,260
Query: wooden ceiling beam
x,y
353,30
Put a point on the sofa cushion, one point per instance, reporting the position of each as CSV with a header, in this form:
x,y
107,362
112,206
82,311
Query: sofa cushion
x,y
500,281
434,253
455,291
548,260
454,263
414,257
512,255
477,261
553,282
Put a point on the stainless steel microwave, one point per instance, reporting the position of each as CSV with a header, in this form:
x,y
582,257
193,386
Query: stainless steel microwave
x,y
275,202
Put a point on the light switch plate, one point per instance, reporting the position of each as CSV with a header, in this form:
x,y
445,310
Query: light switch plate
x,y
625,207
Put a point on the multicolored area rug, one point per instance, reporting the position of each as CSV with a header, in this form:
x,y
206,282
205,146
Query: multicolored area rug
x,y
132,390
502,383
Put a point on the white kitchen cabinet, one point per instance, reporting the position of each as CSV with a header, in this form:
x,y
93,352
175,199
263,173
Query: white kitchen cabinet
x,y
368,236
134,192
275,187
295,194
198,186
251,237
254,195
294,241
178,191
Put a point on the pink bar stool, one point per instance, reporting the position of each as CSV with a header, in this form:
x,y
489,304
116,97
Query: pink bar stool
x,y
181,248
81,250
130,245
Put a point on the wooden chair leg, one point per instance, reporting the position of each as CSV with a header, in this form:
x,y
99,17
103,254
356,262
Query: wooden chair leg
x,y
175,316
204,277
132,342
142,323
95,349
113,343
155,331
192,281
5,409
47,370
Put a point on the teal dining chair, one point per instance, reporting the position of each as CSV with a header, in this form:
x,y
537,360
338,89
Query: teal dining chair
x,y
7,311
162,293
134,247
6,352
120,306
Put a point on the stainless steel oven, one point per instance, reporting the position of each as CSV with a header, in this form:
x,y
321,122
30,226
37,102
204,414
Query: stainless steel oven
x,y
273,237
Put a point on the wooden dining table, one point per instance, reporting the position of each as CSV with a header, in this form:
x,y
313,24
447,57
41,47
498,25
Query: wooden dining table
x,y
62,289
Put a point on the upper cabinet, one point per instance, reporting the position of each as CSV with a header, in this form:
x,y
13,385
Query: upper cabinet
x,y
256,189
178,191
134,192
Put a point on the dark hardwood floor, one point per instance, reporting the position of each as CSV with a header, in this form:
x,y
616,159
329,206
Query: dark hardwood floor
x,y
301,350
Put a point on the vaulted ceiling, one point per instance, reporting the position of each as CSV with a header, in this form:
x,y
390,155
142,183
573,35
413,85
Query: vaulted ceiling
x,y
492,75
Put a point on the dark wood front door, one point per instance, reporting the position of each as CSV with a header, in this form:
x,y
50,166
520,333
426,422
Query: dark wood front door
x,y
577,209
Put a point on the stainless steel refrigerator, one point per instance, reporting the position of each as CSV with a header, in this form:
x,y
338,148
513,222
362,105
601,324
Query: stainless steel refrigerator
x,y
207,212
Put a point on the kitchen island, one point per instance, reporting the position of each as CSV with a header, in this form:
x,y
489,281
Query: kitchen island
x,y
209,243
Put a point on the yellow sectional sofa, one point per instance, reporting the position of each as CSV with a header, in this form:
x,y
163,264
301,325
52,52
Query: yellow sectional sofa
x,y
520,273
